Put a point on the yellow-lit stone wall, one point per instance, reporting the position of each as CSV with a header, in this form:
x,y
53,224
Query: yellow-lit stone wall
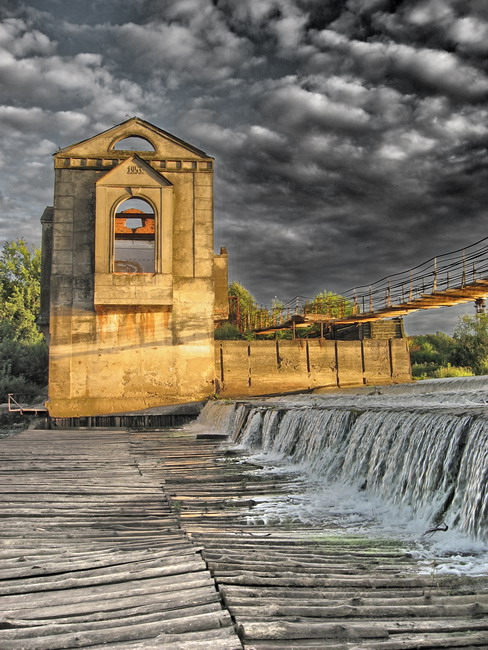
x,y
271,367
123,341
221,283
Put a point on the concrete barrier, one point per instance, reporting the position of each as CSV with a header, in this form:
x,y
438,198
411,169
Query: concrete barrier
x,y
269,367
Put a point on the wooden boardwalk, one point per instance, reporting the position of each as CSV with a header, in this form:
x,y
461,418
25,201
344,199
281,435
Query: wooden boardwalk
x,y
91,555
140,540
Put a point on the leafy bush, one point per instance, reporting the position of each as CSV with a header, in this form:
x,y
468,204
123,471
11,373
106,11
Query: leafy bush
x,y
453,371
435,371
227,332
23,366
435,348
22,389
471,337
424,370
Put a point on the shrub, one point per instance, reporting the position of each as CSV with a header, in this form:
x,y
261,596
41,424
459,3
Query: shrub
x,y
227,332
453,371
23,365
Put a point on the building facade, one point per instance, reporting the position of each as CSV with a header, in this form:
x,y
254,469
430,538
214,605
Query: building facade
x,y
129,273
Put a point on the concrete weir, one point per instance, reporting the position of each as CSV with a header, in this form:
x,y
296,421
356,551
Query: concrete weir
x,y
117,539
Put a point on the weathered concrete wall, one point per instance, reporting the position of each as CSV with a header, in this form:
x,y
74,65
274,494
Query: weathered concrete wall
x,y
267,367
46,266
121,341
221,283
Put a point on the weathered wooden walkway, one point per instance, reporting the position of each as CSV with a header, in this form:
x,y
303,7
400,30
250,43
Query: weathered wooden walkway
x,y
91,555
140,540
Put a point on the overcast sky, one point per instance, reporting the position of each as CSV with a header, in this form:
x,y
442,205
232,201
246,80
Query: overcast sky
x,y
350,136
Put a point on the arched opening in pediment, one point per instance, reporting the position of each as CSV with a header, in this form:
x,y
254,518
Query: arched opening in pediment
x,y
133,143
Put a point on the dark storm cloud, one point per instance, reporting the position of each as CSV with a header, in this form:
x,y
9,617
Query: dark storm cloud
x,y
350,136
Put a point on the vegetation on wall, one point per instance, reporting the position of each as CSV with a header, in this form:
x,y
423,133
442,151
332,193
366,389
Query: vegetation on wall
x,y
23,350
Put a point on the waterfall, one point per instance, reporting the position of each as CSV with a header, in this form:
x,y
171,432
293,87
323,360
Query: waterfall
x,y
423,455
217,416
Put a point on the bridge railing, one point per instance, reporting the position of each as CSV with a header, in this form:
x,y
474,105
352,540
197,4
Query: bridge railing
x,y
455,270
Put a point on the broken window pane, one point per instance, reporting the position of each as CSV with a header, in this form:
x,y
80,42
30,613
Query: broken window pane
x,y
134,239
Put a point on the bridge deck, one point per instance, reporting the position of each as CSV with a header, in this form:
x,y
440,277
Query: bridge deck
x,y
118,540
449,279
433,300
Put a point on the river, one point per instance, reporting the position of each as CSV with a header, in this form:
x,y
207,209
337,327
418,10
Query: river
x,y
404,461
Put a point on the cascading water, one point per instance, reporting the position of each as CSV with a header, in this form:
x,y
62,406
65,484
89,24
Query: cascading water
x,y
420,447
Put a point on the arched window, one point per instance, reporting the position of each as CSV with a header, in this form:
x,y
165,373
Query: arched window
x,y
134,237
133,143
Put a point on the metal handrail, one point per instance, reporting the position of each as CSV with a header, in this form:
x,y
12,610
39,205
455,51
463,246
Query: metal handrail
x,y
463,268
11,399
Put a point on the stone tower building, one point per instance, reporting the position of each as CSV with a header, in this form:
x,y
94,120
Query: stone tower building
x,y
129,273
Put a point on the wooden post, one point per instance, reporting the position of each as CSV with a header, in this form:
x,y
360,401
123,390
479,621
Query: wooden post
x,y
221,365
363,363
336,362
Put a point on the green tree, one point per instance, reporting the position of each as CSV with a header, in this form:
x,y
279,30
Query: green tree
x,y
330,304
471,336
23,350
20,274
243,306
438,348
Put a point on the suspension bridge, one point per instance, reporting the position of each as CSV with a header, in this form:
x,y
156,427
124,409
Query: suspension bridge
x,y
450,279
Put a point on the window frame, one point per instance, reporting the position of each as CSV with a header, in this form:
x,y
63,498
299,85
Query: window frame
x,y
156,249
112,189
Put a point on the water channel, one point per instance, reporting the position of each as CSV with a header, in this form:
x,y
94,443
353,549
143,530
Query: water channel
x,y
407,461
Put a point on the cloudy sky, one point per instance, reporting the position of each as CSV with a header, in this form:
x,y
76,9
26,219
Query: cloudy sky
x,y
350,136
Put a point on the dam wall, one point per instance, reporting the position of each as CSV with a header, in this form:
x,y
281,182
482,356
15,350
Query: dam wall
x,y
245,368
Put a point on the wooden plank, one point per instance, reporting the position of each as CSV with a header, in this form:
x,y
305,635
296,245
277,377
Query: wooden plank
x,y
91,551
52,637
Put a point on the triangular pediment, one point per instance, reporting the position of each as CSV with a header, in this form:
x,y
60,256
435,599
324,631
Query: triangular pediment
x,y
132,172
165,144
